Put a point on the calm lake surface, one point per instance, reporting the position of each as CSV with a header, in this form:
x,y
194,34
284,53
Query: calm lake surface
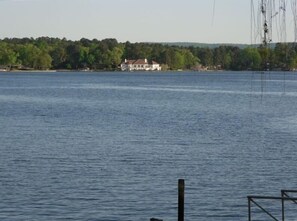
x,y
112,146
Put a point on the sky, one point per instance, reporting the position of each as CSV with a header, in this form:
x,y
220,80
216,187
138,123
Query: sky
x,y
203,21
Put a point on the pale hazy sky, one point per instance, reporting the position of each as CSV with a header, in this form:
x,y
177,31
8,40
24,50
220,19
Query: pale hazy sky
x,y
128,20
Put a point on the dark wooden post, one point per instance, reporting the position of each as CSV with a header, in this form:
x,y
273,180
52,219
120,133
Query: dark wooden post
x,y
181,199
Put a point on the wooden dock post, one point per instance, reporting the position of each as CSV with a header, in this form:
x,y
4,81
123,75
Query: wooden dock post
x,y
181,199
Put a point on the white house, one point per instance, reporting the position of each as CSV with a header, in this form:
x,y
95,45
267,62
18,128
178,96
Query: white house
x,y
140,65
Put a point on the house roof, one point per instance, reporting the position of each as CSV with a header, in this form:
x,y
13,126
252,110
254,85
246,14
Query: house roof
x,y
129,61
139,62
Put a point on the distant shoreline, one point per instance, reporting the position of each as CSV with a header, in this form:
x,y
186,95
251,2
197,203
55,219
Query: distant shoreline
x,y
119,71
45,53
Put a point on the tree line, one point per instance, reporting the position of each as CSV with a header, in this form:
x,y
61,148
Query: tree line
x,y
53,53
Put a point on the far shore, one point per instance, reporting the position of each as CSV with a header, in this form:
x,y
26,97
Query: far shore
x,y
101,71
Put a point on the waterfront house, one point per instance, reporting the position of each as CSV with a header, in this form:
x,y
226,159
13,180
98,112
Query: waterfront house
x,y
140,65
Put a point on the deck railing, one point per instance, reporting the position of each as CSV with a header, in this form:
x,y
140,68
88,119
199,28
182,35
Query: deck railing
x,y
284,197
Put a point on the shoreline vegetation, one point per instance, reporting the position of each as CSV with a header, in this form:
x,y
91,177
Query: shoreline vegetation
x,y
62,55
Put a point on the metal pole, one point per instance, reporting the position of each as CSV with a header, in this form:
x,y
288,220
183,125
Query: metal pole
x,y
181,199
249,207
283,206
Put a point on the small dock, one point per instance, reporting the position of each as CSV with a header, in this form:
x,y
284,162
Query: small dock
x,y
258,209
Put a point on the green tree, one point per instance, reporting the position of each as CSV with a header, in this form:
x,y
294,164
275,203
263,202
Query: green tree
x,y
206,57
266,55
95,56
44,61
189,59
223,56
59,56
250,59
178,60
33,57
284,56
28,55
115,56
77,56
8,56
292,57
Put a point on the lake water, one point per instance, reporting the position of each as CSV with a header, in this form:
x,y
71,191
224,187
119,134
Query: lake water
x,y
112,146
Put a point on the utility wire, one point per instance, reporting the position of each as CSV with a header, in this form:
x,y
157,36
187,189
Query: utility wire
x,y
213,12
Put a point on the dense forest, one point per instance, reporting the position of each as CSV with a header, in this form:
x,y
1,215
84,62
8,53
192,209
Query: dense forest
x,y
46,53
